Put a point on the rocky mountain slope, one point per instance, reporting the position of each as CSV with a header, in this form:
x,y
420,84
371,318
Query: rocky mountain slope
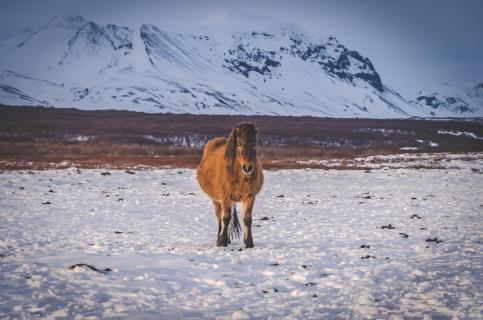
x,y
449,101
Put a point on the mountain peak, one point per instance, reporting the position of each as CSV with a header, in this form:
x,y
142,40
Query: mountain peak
x,y
90,27
70,22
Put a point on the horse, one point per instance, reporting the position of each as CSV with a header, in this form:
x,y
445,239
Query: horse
x,y
230,172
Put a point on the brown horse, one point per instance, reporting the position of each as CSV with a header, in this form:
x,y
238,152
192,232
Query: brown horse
x,y
231,172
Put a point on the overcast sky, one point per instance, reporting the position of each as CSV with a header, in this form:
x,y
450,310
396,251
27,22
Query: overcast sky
x,y
412,43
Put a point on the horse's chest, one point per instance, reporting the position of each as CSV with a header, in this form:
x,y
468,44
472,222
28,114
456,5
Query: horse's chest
x,y
240,190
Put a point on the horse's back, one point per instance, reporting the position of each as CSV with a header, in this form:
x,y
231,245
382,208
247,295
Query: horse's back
x,y
214,144
213,153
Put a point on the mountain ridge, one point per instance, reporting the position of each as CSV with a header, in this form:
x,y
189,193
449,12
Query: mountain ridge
x,y
280,70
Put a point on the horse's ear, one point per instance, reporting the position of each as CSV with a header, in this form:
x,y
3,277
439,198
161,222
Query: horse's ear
x,y
230,152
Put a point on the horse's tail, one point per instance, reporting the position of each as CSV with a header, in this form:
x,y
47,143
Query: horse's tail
x,y
234,228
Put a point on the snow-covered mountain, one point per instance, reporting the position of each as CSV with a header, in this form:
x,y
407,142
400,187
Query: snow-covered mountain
x,y
448,100
16,97
272,68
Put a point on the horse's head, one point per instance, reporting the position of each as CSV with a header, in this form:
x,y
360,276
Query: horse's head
x,y
241,146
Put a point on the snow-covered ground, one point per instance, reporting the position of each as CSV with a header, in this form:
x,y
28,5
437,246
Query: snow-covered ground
x,y
320,247
443,160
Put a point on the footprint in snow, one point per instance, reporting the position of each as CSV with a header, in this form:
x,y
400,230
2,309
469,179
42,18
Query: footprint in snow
x,y
434,240
311,202
90,267
274,290
389,226
310,284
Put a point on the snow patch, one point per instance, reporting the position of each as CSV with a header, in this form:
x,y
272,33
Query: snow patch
x,y
460,134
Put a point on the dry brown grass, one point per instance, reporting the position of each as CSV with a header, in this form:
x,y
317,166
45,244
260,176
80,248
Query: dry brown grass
x,y
39,149
44,137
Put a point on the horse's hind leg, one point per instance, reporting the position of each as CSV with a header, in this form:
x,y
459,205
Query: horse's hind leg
x,y
223,239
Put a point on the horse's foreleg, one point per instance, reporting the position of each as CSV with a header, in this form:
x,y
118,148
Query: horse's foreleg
x,y
247,221
225,221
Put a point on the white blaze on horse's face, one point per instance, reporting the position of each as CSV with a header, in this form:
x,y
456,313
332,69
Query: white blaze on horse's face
x,y
247,169
247,153
246,156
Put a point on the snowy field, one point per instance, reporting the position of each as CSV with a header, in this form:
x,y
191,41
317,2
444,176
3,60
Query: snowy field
x,y
385,243
470,160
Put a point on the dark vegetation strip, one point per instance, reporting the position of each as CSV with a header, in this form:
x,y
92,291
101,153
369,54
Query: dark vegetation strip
x,y
91,138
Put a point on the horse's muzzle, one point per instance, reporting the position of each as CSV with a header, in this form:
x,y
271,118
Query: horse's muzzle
x,y
247,169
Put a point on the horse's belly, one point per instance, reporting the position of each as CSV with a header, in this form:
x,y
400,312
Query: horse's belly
x,y
208,183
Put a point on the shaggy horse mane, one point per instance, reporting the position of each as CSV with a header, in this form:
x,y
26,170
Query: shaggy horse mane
x,y
243,129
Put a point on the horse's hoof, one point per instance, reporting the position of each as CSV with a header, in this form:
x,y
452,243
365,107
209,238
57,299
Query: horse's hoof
x,y
221,243
249,245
